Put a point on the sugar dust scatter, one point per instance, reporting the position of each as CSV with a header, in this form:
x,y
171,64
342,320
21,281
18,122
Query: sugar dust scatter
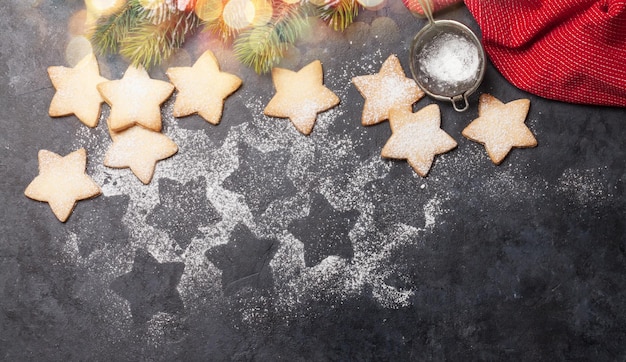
x,y
587,186
358,33
324,163
431,211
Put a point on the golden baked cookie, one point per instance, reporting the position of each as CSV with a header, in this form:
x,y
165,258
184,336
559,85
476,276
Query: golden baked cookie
x,y
139,149
76,91
417,138
300,96
62,181
202,88
386,90
500,127
135,99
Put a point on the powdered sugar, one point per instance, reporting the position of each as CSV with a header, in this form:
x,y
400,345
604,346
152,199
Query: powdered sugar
x,y
587,185
449,59
323,163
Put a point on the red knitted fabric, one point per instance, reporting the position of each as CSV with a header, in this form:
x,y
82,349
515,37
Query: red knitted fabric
x,y
568,50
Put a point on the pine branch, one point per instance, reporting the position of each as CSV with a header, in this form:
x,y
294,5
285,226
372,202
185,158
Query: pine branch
x,y
211,13
161,11
261,47
110,31
221,29
148,43
339,14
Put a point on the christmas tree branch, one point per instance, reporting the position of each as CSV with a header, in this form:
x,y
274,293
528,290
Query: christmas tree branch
x,y
263,46
147,35
110,31
339,14
149,43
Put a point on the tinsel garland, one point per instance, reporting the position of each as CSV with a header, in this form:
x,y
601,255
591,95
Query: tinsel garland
x,y
147,32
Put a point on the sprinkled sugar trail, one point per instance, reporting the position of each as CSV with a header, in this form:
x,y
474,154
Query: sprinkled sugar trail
x,y
198,156
323,163
588,186
314,166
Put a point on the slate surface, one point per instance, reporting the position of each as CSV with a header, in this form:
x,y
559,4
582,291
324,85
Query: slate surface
x,y
257,243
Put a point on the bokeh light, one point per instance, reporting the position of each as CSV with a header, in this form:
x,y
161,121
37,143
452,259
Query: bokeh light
x,y
263,12
239,14
151,4
103,7
77,48
98,8
371,4
209,10
77,25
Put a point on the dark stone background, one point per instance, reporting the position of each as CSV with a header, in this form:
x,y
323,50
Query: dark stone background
x,y
523,263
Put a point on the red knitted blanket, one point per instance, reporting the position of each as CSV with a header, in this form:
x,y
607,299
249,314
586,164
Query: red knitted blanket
x,y
567,50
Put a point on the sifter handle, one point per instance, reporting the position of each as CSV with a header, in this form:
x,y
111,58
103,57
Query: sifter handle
x,y
460,97
427,6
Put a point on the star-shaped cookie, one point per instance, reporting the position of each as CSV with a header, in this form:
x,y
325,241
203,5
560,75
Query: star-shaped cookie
x,y
202,88
139,149
500,127
62,181
300,96
417,138
135,99
76,91
386,90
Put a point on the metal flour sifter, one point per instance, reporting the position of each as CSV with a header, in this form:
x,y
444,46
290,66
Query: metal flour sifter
x,y
447,60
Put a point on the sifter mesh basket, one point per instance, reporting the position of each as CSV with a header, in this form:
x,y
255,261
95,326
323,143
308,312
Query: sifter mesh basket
x,y
447,61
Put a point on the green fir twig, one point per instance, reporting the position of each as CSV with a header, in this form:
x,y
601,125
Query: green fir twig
x,y
148,37
263,46
148,44
221,29
109,31
339,14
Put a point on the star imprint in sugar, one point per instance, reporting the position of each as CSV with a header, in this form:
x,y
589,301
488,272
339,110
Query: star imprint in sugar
x,y
150,287
261,177
244,260
182,209
398,198
325,231
100,224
